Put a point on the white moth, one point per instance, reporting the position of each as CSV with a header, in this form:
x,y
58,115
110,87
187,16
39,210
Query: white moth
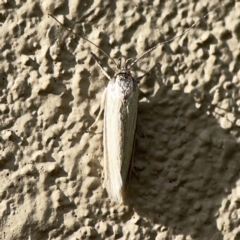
x,y
120,102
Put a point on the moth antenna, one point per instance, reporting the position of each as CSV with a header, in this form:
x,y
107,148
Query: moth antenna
x,y
170,40
78,34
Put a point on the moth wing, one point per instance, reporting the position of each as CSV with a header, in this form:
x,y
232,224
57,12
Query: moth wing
x,y
120,119
129,137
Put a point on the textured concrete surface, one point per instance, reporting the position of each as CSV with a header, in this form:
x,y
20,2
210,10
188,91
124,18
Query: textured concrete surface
x,y
187,155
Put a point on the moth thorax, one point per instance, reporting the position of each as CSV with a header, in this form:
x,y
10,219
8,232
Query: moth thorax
x,y
125,84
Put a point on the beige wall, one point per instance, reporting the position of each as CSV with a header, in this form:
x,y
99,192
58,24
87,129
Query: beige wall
x,y
187,151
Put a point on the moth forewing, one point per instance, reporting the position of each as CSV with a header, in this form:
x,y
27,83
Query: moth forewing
x,y
120,117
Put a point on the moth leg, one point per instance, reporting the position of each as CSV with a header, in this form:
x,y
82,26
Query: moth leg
x,y
139,133
145,74
135,173
104,72
101,110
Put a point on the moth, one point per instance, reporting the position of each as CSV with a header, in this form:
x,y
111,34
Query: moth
x,y
120,105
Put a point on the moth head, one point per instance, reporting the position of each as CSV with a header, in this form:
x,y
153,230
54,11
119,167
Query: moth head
x,y
124,67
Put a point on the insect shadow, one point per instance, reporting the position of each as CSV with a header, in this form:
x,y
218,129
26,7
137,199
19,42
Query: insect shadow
x,y
185,162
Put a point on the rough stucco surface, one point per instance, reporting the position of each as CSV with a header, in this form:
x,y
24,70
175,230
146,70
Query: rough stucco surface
x,y
187,156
